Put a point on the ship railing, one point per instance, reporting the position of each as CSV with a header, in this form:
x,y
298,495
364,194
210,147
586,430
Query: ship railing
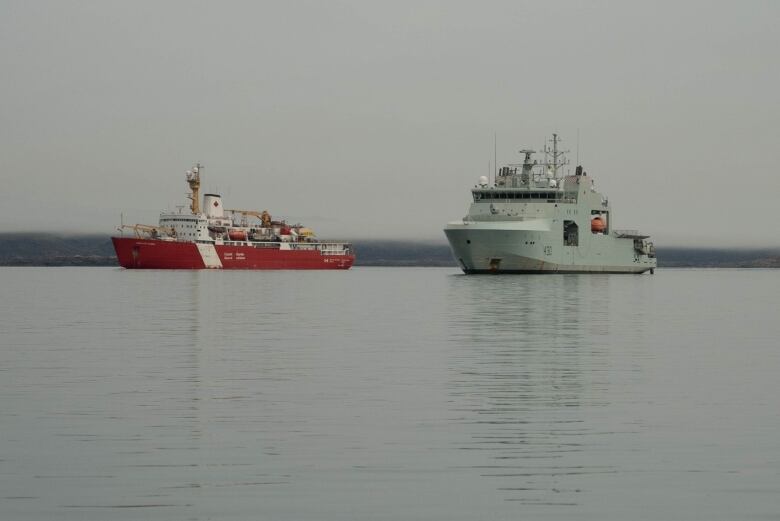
x,y
302,245
325,248
337,248
328,248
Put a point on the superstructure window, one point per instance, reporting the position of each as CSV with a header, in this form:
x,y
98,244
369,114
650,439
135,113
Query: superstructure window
x,y
494,195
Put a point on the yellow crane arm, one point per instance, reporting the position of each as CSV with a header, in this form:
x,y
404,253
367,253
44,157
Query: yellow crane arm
x,y
264,216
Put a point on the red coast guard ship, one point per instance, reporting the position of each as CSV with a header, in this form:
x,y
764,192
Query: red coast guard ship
x,y
218,238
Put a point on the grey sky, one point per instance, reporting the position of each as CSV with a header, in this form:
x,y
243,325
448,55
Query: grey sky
x,y
373,119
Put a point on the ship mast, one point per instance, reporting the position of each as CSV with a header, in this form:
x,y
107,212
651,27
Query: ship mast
x,y
557,156
193,179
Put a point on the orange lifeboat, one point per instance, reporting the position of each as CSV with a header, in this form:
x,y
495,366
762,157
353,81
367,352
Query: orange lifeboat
x,y
597,225
237,235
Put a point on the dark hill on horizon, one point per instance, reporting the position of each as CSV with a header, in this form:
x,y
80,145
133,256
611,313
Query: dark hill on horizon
x,y
49,249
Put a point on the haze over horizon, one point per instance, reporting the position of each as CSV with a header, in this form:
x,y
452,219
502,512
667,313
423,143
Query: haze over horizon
x,y
373,120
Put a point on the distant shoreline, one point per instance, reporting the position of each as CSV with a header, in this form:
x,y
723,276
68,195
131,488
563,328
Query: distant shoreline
x,y
43,249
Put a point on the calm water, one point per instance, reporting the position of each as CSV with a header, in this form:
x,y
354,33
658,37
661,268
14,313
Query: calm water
x,y
388,394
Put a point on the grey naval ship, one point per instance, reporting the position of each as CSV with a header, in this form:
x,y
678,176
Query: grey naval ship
x,y
534,219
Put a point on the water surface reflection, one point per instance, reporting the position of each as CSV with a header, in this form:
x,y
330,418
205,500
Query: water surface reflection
x,y
527,370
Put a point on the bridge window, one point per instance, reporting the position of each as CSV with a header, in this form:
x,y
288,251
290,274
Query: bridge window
x,y
493,195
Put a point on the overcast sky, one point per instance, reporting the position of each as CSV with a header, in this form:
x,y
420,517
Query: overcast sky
x,y
374,119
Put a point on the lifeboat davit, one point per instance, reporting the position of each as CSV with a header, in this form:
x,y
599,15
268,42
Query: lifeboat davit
x,y
237,235
597,225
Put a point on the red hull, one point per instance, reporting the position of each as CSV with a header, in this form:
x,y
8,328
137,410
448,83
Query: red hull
x,y
156,254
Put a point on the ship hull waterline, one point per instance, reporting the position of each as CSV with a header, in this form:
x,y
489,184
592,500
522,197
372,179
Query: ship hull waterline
x,y
135,253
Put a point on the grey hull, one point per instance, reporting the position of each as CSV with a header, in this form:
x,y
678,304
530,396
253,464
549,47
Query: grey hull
x,y
533,220
482,248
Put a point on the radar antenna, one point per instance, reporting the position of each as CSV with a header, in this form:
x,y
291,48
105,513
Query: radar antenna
x,y
527,174
527,152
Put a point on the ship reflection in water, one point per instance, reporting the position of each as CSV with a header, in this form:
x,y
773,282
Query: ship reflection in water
x,y
387,394
530,383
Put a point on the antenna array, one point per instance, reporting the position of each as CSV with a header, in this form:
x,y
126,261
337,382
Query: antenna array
x,y
554,158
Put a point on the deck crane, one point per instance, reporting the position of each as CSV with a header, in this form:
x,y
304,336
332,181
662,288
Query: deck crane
x,y
264,216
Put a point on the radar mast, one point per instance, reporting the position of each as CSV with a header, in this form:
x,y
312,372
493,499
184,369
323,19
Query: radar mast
x,y
193,179
554,158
